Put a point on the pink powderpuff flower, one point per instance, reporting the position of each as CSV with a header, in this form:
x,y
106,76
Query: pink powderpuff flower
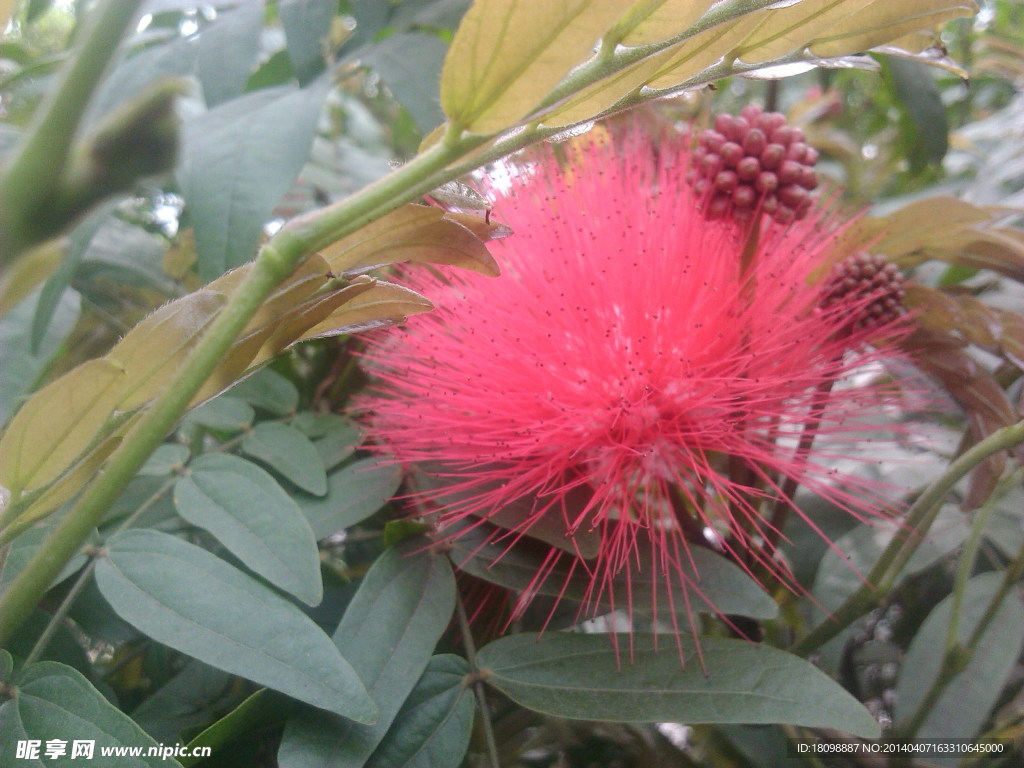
x,y
622,378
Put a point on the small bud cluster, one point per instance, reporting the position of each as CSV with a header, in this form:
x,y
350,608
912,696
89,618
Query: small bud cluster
x,y
864,277
754,162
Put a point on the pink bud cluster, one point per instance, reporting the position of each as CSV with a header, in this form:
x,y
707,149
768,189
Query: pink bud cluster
x,y
754,162
872,281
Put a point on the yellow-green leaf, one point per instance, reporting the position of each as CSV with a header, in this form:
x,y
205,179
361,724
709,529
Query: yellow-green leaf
x,y
884,21
419,233
665,69
57,425
790,29
383,303
652,21
508,54
151,353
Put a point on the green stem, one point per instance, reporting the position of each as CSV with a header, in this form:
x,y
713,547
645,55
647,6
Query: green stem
x,y
478,686
604,66
957,657
35,171
919,519
954,656
83,577
276,261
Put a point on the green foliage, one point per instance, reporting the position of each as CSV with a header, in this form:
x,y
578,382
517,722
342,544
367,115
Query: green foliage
x,y
197,548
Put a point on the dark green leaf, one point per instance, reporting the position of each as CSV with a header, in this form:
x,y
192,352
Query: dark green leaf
x,y
714,584
388,633
581,676
228,51
263,708
840,575
6,666
133,74
334,436
186,701
184,597
277,70
52,292
964,706
434,725
63,646
255,519
307,27
923,124
56,702
290,453
165,460
223,413
269,390
371,17
238,160
410,65
354,493
24,361
25,546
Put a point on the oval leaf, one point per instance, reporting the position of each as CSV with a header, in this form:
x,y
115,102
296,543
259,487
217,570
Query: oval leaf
x,y
963,707
355,492
435,723
186,598
714,585
582,677
289,452
255,519
54,701
269,390
237,161
388,632
507,55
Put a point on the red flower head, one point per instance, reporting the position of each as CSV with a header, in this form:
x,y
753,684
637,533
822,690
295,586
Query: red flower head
x,y
623,382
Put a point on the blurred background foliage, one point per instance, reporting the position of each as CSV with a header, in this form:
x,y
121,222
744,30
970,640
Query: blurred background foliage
x,y
904,134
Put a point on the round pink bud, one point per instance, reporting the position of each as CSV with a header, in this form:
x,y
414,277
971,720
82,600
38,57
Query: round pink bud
x,y
731,153
789,172
748,168
811,156
723,124
770,204
808,179
772,155
713,140
726,181
766,182
719,207
744,196
712,163
754,142
792,195
796,151
765,123
784,214
782,135
738,130
750,113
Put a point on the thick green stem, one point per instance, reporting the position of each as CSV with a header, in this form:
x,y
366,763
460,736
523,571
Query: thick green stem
x,y
919,519
35,171
276,261
957,657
